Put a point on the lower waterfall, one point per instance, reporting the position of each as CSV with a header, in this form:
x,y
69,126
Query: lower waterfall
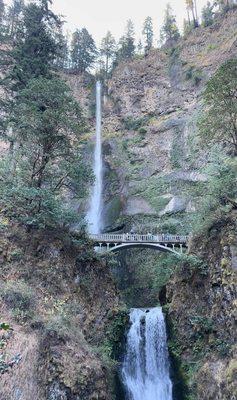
x,y
145,370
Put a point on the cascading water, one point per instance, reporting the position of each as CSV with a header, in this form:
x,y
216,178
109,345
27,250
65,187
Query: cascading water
x,y
94,214
145,371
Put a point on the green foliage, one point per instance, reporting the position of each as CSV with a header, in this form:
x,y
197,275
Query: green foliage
x,y
4,326
207,14
216,197
62,318
187,28
19,298
135,124
201,325
177,150
169,30
219,120
222,347
2,13
84,52
126,49
142,130
107,53
194,74
46,123
193,263
148,34
35,49
111,348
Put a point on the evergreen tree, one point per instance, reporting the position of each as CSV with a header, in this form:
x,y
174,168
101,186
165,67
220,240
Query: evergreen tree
x,y
140,47
46,122
83,53
43,123
62,61
2,10
127,43
36,48
148,33
108,50
207,15
170,30
2,20
14,17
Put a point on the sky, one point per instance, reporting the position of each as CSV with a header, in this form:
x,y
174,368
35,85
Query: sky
x,y
99,16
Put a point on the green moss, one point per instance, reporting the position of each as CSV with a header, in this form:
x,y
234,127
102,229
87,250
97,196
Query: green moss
x,y
131,123
177,151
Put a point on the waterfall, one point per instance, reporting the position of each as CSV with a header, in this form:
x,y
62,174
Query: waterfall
x,y
145,370
94,213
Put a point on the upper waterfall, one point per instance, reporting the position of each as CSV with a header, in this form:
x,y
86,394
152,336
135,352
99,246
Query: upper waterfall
x,y
145,371
94,213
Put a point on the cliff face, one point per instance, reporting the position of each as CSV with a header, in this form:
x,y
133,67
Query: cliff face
x,y
60,302
201,313
150,129
150,122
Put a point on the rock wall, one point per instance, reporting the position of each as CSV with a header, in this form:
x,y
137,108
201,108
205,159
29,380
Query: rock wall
x,y
201,306
150,120
60,302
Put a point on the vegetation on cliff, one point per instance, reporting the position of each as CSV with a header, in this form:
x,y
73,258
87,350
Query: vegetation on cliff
x,y
42,124
171,165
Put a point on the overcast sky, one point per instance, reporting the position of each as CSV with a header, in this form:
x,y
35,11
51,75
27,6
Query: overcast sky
x,y
99,16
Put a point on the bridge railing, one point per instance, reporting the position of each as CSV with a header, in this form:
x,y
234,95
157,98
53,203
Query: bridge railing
x,y
129,237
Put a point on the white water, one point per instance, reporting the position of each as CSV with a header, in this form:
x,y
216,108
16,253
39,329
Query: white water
x,y
145,370
94,213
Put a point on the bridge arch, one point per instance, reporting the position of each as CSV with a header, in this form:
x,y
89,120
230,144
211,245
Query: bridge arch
x,y
154,246
162,242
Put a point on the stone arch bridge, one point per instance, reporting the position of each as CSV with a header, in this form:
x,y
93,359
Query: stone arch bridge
x,y
114,242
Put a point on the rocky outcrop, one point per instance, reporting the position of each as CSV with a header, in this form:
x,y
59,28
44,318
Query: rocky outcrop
x,y
201,313
60,301
151,112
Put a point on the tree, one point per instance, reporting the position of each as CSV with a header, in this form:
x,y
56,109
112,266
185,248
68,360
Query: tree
x,y
207,15
126,49
62,61
36,50
192,7
33,53
83,53
2,11
44,123
107,50
148,33
219,122
187,28
169,30
140,47
14,16
47,123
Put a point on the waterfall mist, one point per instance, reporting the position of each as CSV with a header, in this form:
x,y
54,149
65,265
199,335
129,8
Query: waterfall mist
x,y
145,371
94,213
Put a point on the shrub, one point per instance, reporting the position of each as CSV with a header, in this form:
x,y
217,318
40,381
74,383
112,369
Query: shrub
x,y
17,295
134,124
142,130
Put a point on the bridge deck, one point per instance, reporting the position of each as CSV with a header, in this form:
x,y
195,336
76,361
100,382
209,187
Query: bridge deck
x,y
134,238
